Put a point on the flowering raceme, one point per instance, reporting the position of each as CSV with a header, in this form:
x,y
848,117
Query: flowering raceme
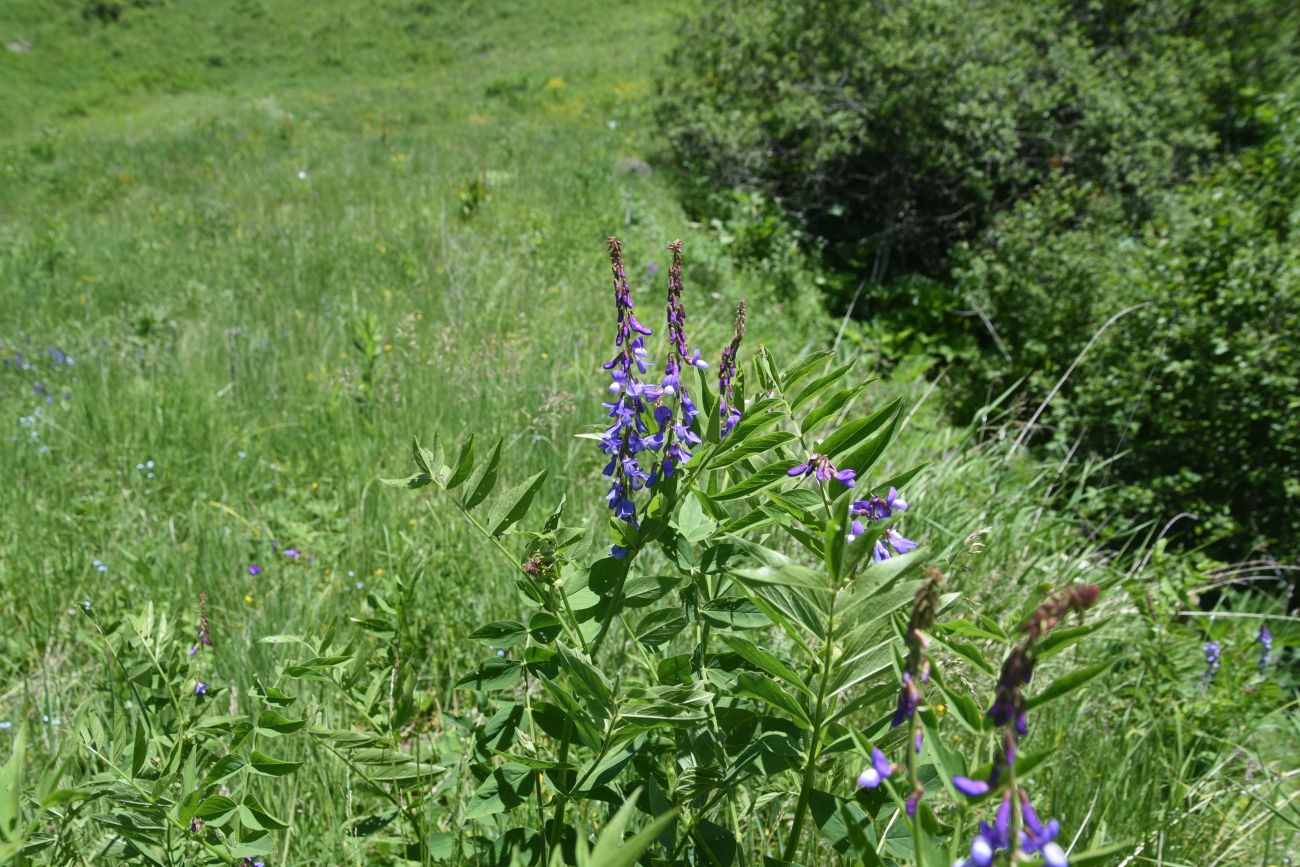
x,y
878,509
674,411
1016,826
623,440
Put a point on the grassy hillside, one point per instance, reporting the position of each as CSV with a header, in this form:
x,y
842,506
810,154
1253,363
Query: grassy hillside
x,y
247,249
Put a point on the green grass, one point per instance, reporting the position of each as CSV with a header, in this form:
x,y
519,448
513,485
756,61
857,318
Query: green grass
x,y
207,205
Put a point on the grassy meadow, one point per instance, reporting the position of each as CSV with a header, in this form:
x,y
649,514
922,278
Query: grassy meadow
x,y
249,249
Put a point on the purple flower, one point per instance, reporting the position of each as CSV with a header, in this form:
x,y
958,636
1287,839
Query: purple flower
x,y
970,788
1211,662
200,688
291,553
821,467
877,772
878,509
913,800
909,697
1265,641
254,569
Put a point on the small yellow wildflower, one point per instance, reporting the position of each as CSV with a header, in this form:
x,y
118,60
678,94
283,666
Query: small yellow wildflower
x,y
248,597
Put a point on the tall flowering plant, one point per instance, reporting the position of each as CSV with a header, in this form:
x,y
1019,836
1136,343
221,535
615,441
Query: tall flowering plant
x,y
716,656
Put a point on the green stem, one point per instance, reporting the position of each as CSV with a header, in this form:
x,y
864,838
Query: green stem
x,y
814,743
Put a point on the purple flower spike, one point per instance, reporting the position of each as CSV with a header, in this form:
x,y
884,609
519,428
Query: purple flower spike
x,y
1212,653
628,435
970,788
1265,641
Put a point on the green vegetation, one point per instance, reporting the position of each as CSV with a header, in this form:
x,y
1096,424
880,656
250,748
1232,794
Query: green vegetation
x,y
993,183
248,249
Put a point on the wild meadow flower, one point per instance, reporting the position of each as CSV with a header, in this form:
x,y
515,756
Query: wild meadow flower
x,y
200,688
674,410
821,467
99,565
877,772
878,509
254,569
1020,830
292,553
728,412
1265,641
624,440
1212,653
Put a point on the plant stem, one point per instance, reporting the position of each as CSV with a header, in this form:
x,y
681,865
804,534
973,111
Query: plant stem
x,y
814,742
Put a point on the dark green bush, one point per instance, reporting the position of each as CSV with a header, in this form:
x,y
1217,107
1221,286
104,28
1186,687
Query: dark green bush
x,y
891,130
1197,391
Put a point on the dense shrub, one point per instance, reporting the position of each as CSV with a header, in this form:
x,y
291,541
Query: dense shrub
x,y
891,130
1198,389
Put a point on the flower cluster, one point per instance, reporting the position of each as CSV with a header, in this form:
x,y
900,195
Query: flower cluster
x,y
623,440
1016,826
820,466
674,411
1265,641
727,409
1212,654
878,509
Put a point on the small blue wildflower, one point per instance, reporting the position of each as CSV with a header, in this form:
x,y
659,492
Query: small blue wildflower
x,y
1265,641
200,688
99,566
254,569
6,725
877,772
292,553
1212,653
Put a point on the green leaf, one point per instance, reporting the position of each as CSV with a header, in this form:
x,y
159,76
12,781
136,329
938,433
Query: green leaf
x,y
585,676
612,851
830,407
11,787
271,766
864,457
273,720
484,478
733,612
764,478
511,506
464,464
495,673
756,446
140,749
506,632
225,767
216,809
659,627
817,386
804,367
419,480
1063,637
768,662
507,788
787,575
766,689
1068,683
848,436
